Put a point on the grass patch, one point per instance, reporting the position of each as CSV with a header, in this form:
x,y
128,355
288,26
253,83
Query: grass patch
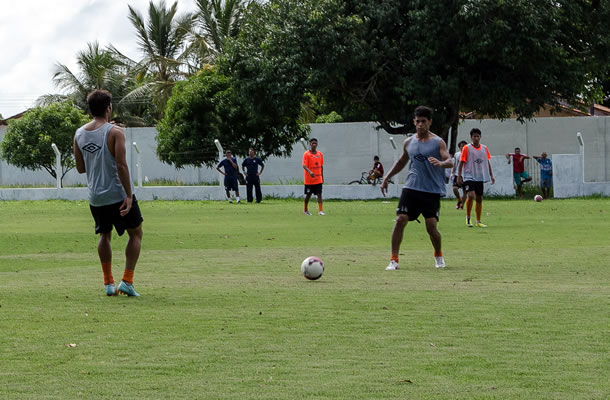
x,y
521,311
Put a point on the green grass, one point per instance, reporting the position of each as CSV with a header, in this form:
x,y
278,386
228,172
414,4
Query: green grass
x,y
520,312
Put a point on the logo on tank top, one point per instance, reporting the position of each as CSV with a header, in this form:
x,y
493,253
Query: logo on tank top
x,y
478,161
420,157
91,147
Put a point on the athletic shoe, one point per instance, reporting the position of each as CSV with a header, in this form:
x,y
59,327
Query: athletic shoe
x,y
439,262
110,289
458,205
392,266
127,288
238,201
307,213
481,225
230,201
469,224
321,213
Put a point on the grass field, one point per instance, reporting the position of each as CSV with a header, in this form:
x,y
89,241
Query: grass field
x,y
522,310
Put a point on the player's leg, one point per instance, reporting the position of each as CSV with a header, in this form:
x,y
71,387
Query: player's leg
x,y
435,238
257,187
469,190
397,234
456,193
307,197
479,206
132,253
249,185
104,251
236,189
320,201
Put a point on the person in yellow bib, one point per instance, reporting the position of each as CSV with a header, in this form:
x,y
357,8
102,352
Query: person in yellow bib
x,y
313,166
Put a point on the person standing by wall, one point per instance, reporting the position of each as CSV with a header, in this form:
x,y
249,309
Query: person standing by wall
x,y
424,186
313,165
473,171
229,164
520,175
99,151
250,167
546,174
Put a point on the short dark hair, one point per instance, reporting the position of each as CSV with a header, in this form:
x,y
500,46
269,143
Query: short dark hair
x,y
98,101
312,139
423,111
475,130
518,148
463,142
228,151
376,158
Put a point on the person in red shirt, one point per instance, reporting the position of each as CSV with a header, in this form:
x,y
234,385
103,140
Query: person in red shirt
x,y
376,172
520,175
313,166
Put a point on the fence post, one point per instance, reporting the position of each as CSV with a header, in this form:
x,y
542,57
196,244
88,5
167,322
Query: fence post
x,y
138,163
58,169
581,143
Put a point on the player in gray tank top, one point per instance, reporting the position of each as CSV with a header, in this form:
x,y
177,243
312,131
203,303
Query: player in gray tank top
x,y
424,186
99,151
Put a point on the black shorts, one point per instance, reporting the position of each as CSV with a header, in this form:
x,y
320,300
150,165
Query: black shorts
x,y
413,203
474,186
314,189
231,184
107,216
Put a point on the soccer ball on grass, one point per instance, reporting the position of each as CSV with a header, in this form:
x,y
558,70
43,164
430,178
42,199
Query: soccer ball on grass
x,y
312,268
538,198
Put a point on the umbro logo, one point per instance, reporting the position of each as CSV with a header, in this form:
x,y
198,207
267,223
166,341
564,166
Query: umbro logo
x,y
420,157
91,147
478,161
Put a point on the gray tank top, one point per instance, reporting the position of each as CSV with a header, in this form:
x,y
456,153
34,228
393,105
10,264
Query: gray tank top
x,y
102,177
424,176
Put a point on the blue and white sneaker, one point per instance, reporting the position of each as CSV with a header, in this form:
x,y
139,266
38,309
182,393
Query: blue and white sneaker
x,y
127,288
110,289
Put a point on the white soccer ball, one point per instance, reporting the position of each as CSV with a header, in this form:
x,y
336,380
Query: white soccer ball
x,y
538,198
312,268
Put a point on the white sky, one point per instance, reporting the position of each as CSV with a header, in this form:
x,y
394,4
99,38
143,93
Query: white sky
x,y
36,34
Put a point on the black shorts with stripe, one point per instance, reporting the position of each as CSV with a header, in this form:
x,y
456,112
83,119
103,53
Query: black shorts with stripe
x,y
413,203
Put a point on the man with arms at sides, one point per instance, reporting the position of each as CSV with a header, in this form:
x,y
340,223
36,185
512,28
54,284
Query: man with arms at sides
x,y
230,167
376,172
424,186
474,170
546,174
99,151
453,179
313,166
520,175
250,167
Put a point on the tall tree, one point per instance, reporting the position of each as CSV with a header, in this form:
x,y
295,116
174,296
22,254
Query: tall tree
x,y
385,57
163,41
27,142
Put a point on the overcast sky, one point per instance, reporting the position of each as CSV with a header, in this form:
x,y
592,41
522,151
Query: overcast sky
x,y
36,34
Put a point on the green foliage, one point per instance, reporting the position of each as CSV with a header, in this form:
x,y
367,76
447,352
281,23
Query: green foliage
x,y
387,57
329,118
208,107
27,141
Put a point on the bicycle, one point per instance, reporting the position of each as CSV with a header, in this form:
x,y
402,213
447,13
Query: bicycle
x,y
364,180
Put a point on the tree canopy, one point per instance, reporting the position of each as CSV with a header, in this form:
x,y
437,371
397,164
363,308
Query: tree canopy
x,y
383,58
27,141
208,107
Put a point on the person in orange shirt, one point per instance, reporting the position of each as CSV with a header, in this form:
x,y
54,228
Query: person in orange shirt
x,y
313,166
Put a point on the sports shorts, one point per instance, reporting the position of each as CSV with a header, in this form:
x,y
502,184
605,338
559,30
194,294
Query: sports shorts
x,y
413,203
231,183
518,176
546,183
314,189
474,186
107,216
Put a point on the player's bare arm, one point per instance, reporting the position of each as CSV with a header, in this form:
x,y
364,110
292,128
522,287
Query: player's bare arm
x,y
396,168
460,180
260,172
308,171
491,174
78,158
116,143
446,162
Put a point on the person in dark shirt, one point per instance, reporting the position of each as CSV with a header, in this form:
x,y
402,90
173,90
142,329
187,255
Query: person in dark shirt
x,y
250,168
376,172
229,164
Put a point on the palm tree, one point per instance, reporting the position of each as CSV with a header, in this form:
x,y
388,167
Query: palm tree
x,y
99,68
163,40
216,22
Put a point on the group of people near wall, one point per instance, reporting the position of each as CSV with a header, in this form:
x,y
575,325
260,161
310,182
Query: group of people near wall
x,y
99,151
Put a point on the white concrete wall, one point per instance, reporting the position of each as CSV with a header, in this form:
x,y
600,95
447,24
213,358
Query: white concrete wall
x,y
349,149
